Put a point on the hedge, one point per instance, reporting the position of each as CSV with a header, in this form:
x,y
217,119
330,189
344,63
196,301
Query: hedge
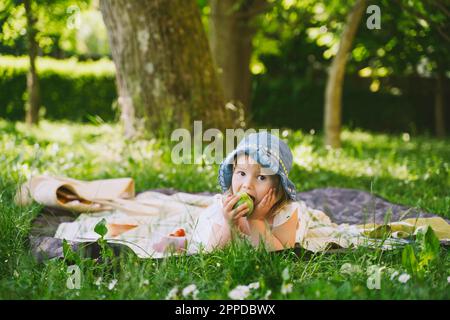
x,y
77,91
70,89
294,102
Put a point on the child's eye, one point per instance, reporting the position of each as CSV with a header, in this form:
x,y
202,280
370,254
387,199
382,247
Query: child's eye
x,y
241,173
262,178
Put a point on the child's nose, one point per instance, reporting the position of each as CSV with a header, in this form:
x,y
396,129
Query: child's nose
x,y
247,184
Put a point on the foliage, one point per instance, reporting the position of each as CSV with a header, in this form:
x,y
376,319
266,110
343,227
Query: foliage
x,y
64,28
389,82
390,76
420,260
71,90
292,102
85,90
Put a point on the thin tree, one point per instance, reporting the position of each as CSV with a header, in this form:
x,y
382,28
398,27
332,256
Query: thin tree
x,y
32,108
335,83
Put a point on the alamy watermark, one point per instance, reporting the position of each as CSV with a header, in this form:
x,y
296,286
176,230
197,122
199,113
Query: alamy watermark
x,y
74,279
374,20
190,147
374,277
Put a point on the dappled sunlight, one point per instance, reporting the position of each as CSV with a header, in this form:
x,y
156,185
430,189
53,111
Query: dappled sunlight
x,y
69,66
304,157
367,155
48,131
74,150
357,136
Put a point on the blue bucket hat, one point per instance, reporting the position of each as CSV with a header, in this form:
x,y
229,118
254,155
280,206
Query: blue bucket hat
x,y
267,150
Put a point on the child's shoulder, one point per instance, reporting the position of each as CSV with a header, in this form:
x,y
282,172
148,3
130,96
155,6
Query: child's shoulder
x,y
285,213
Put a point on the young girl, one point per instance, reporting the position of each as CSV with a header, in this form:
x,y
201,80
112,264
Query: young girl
x,y
258,166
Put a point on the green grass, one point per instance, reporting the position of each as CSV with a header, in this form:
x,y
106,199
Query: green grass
x,y
413,171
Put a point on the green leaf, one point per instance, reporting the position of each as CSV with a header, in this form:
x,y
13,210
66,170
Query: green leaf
x,y
429,245
67,250
409,260
431,241
100,228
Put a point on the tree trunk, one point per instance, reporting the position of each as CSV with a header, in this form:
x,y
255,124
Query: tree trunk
x,y
231,34
439,114
32,107
335,83
165,73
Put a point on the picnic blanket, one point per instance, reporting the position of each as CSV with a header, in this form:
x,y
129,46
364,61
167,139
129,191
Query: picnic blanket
x,y
329,217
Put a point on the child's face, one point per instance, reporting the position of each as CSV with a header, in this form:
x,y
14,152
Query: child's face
x,y
250,177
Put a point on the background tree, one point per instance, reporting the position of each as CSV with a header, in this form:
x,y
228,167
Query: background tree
x,y
232,27
426,33
411,45
32,108
44,21
396,78
165,73
333,93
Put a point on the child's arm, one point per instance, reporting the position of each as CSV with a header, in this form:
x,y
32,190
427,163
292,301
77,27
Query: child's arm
x,y
281,237
221,233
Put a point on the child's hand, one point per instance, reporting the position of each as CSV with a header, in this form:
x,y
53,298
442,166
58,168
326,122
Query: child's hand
x,y
233,215
262,209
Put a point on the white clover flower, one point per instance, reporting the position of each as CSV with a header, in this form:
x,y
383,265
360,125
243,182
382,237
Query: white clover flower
x,y
267,295
393,275
145,282
448,279
239,293
404,277
98,282
285,274
254,285
286,288
172,293
190,289
112,284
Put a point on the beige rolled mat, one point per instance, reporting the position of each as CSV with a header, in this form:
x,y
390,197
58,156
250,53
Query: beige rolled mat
x,y
75,195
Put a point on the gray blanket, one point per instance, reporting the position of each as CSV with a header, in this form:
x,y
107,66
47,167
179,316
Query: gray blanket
x,y
341,205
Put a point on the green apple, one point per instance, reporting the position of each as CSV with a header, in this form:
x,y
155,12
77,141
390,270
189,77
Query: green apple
x,y
245,198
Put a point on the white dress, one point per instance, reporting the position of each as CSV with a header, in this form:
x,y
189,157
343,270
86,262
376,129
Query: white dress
x,y
197,215
204,233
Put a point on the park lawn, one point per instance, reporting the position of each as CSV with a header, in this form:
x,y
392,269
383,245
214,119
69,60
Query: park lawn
x,y
404,169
